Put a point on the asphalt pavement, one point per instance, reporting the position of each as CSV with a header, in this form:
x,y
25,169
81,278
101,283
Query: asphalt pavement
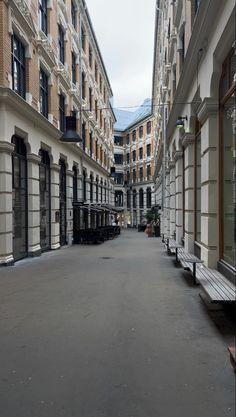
x,y
111,330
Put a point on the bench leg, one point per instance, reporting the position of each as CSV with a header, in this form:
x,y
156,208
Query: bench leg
x,y
194,274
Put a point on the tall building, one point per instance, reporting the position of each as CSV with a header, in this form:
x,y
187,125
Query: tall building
x,y
50,66
194,96
134,164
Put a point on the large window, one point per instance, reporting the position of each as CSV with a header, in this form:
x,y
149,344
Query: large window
x,y
148,172
45,200
134,156
148,150
141,200
83,38
73,67
61,44
43,16
141,173
73,15
140,153
198,184
149,197
18,66
19,198
149,127
118,140
43,81
118,159
83,86
62,112
228,161
119,178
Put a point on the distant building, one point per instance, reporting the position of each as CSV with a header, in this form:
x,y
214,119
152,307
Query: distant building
x,y
134,164
194,82
51,65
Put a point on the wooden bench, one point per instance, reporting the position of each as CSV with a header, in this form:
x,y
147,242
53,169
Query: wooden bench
x,y
232,353
218,288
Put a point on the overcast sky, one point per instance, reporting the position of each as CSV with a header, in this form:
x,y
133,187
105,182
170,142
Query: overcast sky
x,y
125,34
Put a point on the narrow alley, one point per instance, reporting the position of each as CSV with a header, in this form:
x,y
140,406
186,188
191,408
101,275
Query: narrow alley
x,y
112,330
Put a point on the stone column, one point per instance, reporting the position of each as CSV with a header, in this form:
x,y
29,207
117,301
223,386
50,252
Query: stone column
x,y
33,162
188,143
6,236
138,208
178,157
172,200
208,116
55,207
166,208
69,206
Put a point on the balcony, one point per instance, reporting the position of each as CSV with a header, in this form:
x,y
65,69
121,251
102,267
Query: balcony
x,y
64,75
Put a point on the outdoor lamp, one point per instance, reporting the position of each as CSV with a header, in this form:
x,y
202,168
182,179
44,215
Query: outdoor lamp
x,y
70,135
180,121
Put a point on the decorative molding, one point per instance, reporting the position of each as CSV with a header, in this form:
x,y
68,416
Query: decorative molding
x,y
209,107
187,139
6,147
46,50
178,155
22,13
33,158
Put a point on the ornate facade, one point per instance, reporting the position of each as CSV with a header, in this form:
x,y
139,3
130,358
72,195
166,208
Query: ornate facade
x,y
50,66
134,164
194,82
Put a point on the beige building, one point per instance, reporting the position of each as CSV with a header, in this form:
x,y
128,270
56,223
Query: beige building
x,y
134,164
194,82
50,66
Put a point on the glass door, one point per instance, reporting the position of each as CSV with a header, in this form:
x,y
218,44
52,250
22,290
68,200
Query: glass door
x,y
62,202
45,201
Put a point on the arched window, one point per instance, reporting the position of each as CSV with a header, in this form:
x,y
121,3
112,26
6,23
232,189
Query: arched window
x,y
141,198
84,186
134,199
75,184
19,198
228,160
91,188
149,197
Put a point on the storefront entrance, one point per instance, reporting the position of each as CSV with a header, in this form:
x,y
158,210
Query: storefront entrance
x,y
45,201
62,191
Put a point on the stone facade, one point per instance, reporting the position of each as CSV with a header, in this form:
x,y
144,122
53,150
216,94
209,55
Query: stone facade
x,y
51,65
195,78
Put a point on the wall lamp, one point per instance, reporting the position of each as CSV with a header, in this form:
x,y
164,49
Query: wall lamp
x,y
180,121
70,135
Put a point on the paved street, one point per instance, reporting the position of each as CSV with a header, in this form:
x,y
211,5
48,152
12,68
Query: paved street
x,y
109,331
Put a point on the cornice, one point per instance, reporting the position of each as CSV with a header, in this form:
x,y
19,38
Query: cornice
x,y
208,107
178,155
6,147
33,158
187,139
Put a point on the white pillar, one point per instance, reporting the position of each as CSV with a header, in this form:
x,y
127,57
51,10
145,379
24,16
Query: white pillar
x,y
33,162
208,116
6,235
172,199
55,207
69,206
179,195
188,143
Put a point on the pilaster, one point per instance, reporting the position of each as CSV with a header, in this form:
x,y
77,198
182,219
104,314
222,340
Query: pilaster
x,y
188,142
178,157
6,235
172,200
33,162
69,205
55,207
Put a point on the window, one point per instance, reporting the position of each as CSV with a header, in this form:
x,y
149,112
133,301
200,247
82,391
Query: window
x,y
73,15
149,127
134,156
18,66
91,143
96,189
127,139
90,99
90,57
141,131
134,175
182,50
84,186
119,178
128,177
84,135
119,198
91,188
127,158
43,16
118,140
43,91
96,109
62,112
228,161
148,150
100,83
141,198
149,197
118,159
75,184
141,173
134,135
134,199
96,72
149,172
83,86
140,153
73,68
61,44
197,4
128,199
83,38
